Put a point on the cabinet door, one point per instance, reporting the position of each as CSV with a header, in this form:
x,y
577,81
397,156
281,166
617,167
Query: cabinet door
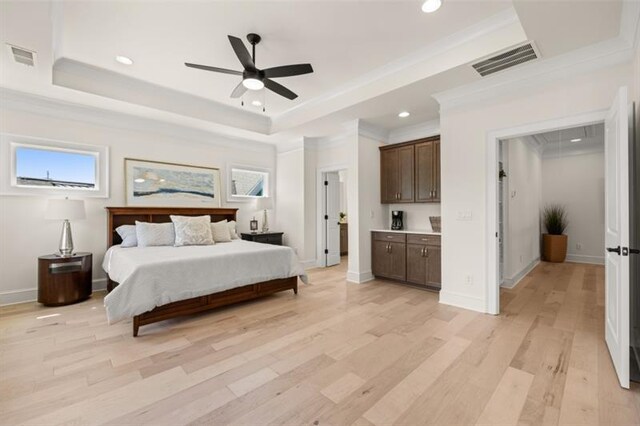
x,y
416,264
406,165
434,268
380,258
424,171
389,176
398,261
436,171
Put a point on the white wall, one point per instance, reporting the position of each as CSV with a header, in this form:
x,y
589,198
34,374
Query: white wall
x,y
523,194
464,151
416,215
577,182
24,234
290,199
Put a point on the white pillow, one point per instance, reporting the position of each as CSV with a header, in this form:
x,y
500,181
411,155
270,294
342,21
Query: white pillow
x,y
155,234
220,231
232,230
128,235
192,231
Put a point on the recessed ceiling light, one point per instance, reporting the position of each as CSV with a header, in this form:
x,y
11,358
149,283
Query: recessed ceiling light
x,y
252,83
256,103
576,140
124,60
404,114
138,180
431,6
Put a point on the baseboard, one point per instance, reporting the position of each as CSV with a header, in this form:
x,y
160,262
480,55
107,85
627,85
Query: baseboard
x,y
308,264
359,277
463,301
13,297
512,282
579,258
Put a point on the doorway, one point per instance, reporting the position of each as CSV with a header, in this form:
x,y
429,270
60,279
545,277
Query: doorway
x,y
333,240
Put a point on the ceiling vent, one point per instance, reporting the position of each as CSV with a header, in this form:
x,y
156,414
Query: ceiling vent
x,y
22,56
512,57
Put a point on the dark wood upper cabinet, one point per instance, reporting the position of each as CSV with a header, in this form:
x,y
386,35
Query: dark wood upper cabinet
x,y
410,171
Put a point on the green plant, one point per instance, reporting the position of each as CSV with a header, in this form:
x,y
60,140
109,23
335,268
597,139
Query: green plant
x,y
554,217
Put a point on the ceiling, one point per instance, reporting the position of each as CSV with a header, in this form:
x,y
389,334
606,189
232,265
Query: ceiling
x,y
372,59
570,141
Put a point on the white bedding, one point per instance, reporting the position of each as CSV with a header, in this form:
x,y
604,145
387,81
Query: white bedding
x,y
154,276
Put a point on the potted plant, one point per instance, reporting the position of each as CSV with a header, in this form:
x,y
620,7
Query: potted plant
x,y
554,242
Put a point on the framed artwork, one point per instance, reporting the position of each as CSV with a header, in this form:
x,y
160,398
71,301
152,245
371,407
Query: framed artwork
x,y
157,184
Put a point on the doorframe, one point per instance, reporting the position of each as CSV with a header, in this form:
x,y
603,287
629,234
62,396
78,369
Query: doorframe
x,y
491,186
321,260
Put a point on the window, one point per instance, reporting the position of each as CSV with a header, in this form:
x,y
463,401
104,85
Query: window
x,y
248,183
36,166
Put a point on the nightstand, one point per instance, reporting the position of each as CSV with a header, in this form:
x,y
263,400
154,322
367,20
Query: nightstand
x,y
274,238
64,280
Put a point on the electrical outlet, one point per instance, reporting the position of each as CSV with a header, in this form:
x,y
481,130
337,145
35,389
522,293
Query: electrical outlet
x,y
469,279
578,246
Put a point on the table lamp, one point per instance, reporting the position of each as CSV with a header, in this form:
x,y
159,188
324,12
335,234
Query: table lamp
x,y
65,210
264,203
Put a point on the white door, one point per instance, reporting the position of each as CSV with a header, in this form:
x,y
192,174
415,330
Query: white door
x,y
617,235
332,218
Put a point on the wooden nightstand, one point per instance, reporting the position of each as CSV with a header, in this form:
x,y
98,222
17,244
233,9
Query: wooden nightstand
x,y
274,238
64,280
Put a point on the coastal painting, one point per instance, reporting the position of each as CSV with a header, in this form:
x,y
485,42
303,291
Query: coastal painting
x,y
157,184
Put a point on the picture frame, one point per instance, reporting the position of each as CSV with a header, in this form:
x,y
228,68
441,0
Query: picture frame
x,y
162,184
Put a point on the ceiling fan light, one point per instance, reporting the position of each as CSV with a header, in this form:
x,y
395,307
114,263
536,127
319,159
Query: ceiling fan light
x,y
253,83
430,6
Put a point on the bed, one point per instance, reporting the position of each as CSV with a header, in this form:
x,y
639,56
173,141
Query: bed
x,y
154,284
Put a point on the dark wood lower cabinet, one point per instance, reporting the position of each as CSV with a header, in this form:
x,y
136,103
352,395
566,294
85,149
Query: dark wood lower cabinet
x,y
412,258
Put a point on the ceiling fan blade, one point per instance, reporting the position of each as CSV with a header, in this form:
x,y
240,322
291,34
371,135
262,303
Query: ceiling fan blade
x,y
279,89
214,69
238,91
242,53
288,70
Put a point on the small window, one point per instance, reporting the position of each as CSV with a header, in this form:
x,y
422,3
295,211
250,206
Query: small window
x,y
246,183
55,168
31,166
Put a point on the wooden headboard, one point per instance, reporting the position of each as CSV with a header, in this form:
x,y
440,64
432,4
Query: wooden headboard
x,y
128,215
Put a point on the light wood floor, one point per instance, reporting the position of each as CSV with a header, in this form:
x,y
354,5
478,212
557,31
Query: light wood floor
x,y
338,354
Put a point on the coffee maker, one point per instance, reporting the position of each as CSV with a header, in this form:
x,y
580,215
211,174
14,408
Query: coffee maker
x,y
396,220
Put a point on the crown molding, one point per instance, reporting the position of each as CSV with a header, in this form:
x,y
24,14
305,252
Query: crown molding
x,y
630,23
592,58
372,131
416,131
21,101
87,78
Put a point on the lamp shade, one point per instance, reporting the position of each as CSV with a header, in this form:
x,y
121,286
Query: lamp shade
x,y
65,209
264,203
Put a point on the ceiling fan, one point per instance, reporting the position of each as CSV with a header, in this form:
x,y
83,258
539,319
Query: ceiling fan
x,y
252,77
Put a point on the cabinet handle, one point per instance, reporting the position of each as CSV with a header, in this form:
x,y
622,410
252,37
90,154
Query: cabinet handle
x,y
390,248
387,248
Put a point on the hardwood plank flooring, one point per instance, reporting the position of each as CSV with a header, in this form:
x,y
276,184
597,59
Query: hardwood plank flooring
x,y
337,353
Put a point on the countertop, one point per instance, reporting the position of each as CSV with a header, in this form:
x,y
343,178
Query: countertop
x,y
409,231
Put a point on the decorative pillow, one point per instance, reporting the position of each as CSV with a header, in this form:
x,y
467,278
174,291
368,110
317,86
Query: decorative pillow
x,y
128,235
155,234
192,231
232,230
220,231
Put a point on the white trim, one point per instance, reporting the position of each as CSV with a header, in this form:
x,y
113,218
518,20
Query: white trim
x,y
360,277
462,301
581,258
372,131
526,76
14,297
493,137
630,22
515,280
9,143
321,261
308,264
417,131
50,107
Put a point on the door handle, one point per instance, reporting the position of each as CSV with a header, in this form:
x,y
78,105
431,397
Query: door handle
x,y
634,251
614,250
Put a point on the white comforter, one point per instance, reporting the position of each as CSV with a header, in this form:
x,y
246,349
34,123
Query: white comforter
x,y
154,276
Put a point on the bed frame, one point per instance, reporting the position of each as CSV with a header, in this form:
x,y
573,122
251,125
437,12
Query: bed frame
x,y
128,215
